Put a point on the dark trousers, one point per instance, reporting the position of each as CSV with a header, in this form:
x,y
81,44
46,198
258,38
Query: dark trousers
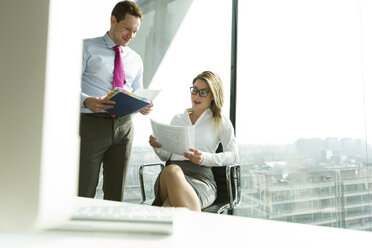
x,y
107,141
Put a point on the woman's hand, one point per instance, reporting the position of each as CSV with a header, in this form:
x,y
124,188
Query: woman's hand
x,y
196,156
153,142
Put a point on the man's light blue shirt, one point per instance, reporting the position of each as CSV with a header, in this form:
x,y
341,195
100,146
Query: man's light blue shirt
x,y
98,68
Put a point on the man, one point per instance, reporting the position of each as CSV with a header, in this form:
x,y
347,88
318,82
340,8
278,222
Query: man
x,y
107,139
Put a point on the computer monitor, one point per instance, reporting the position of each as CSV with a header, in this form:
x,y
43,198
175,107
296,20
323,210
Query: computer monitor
x,y
40,84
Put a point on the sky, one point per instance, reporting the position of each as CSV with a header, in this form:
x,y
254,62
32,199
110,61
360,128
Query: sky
x,y
300,70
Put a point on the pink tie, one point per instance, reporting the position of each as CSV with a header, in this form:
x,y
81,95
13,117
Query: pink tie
x,y
119,76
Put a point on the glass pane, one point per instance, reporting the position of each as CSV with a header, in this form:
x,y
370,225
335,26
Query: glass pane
x,y
366,37
301,113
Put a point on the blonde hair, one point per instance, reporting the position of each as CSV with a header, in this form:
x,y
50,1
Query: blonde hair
x,y
215,84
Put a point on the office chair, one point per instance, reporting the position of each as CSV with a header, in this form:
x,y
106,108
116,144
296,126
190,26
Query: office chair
x,y
228,187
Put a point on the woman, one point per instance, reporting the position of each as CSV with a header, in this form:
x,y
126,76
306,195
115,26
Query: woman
x,y
188,181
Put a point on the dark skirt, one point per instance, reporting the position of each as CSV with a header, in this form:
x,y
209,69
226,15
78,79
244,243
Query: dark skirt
x,y
201,180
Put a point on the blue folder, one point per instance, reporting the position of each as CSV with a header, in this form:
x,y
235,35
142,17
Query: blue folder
x,y
126,104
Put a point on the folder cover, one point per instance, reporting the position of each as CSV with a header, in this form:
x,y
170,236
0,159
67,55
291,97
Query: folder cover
x,y
126,102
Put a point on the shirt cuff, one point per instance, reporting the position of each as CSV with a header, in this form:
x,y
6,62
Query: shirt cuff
x,y
82,99
207,159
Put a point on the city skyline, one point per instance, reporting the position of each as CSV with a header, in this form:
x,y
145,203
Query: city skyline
x,y
328,191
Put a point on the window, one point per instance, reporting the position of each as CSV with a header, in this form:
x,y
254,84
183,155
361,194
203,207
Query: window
x,y
301,112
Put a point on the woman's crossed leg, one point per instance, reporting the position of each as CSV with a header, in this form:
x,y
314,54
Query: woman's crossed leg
x,y
175,191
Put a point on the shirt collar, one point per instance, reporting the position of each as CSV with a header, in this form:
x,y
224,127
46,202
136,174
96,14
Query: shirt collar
x,y
206,114
110,43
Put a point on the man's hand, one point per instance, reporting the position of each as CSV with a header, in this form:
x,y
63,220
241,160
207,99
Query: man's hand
x,y
97,104
147,110
196,156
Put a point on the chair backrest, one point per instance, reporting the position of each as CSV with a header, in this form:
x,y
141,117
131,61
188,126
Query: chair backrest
x,y
221,181
219,174
220,178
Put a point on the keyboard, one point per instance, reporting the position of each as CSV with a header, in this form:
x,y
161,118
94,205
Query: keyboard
x,y
95,215
128,213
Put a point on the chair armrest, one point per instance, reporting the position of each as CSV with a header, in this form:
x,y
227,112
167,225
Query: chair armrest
x,y
140,174
233,177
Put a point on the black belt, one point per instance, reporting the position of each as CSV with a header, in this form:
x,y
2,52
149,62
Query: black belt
x,y
105,115
101,115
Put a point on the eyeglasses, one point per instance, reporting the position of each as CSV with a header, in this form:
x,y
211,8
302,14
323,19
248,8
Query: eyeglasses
x,y
203,92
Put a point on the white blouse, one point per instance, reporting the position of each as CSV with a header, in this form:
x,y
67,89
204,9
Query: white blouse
x,y
207,139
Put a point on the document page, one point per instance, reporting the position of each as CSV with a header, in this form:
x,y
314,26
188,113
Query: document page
x,y
174,139
147,93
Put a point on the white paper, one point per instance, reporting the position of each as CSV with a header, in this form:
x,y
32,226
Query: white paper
x,y
149,94
174,139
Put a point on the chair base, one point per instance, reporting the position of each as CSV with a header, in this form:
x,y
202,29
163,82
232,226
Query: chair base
x,y
219,209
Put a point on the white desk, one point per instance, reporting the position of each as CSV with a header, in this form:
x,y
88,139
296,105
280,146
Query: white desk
x,y
200,230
